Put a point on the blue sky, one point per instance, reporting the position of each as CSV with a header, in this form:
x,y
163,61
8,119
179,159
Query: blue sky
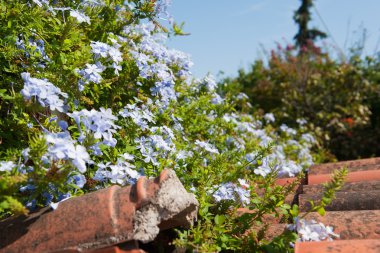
x,y
230,34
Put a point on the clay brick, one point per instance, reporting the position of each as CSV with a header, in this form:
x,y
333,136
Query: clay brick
x,y
339,246
347,187
354,165
268,231
355,176
285,181
345,201
127,247
113,249
116,249
103,218
351,224
273,231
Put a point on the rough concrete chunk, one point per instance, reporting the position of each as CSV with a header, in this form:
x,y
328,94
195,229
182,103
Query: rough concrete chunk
x,y
171,199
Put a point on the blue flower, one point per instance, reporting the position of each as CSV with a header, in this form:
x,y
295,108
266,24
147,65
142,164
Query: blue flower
x,y
140,116
92,72
100,49
62,147
225,192
289,131
121,173
48,197
63,125
31,205
99,123
62,196
150,156
28,187
78,179
230,191
41,2
216,99
115,55
46,93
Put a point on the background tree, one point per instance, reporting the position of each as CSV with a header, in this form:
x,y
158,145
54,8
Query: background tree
x,y
306,37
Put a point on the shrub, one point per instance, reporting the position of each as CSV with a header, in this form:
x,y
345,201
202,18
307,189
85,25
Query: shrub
x,y
332,96
91,97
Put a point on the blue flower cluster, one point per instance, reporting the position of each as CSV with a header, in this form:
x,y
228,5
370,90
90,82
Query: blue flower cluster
x,y
100,124
155,61
62,147
123,172
45,92
229,191
172,119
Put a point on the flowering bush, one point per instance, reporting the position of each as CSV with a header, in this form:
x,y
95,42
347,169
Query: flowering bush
x,y
90,96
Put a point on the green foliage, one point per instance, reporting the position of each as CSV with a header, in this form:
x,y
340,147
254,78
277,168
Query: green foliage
x,y
90,97
306,37
8,204
329,189
337,99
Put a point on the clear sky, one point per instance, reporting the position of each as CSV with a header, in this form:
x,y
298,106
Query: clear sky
x,y
230,34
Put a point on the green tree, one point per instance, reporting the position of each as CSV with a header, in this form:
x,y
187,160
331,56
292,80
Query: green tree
x,y
306,36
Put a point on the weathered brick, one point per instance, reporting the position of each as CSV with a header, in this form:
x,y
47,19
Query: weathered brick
x,y
344,201
355,176
347,187
339,246
103,218
349,225
354,165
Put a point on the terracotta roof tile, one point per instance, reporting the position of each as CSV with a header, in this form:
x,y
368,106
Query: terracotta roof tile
x,y
360,200
353,165
355,176
347,187
111,220
103,218
347,246
363,224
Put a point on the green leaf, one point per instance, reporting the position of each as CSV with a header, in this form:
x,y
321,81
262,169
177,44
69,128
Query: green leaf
x,y
321,211
219,219
294,211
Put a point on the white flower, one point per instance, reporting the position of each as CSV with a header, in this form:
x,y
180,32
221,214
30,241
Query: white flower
x,y
308,138
80,17
290,131
120,173
6,166
301,122
312,230
40,3
269,117
207,146
54,205
264,169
